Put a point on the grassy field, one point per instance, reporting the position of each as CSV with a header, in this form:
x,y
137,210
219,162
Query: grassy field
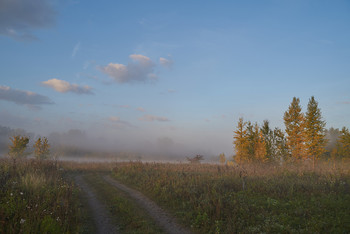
x,y
251,199
39,196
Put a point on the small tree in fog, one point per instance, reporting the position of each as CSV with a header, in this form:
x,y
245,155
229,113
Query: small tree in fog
x,y
222,158
19,145
41,148
196,159
342,149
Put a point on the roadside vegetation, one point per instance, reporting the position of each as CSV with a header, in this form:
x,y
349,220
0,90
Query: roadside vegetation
x,y
35,198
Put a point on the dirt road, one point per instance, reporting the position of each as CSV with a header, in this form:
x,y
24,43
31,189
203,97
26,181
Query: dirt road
x,y
162,218
101,215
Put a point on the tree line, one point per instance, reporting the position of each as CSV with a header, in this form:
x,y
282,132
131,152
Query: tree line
x,y
304,138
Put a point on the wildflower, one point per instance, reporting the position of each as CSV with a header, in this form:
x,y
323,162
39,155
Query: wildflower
x,y
21,193
11,194
22,221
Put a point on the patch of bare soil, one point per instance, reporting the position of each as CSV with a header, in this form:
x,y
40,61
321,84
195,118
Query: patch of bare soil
x,y
162,218
100,213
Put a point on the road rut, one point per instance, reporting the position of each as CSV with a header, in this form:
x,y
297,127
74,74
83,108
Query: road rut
x,y
101,215
162,218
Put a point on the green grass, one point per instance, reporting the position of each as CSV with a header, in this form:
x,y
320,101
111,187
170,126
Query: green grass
x,y
211,199
128,216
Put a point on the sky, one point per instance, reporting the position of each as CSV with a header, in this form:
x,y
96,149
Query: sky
x,y
170,75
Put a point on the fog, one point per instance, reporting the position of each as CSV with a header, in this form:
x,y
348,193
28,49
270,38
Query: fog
x,y
77,144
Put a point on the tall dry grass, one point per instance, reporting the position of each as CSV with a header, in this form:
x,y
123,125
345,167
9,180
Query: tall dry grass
x,y
35,198
250,198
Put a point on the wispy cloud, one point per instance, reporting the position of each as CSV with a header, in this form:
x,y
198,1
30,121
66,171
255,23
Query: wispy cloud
x,y
64,87
141,109
120,123
124,106
152,118
75,49
344,102
166,62
19,17
30,99
141,69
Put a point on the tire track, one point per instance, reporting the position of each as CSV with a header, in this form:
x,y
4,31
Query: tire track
x,y
162,218
100,213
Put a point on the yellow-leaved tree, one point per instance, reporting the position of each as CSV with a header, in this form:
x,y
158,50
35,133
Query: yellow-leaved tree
x,y
294,122
41,148
260,148
240,142
315,132
19,145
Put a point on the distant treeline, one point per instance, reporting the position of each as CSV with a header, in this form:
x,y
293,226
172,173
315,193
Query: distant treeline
x,y
305,138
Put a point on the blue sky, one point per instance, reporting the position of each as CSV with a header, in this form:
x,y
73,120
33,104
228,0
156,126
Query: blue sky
x,y
181,72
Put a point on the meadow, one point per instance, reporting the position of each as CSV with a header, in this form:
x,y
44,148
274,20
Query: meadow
x,y
39,196
247,199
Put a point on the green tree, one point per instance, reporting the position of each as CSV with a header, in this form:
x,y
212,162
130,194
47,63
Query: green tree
x,y
315,136
342,149
41,148
241,143
294,121
280,150
19,145
267,134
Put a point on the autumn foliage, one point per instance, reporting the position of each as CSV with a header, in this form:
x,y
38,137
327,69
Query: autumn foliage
x,y
304,138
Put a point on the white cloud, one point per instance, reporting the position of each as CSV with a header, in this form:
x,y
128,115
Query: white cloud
x,y
75,49
166,62
152,118
32,100
141,69
19,17
64,87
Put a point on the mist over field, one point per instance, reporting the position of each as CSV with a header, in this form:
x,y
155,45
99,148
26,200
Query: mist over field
x,y
77,144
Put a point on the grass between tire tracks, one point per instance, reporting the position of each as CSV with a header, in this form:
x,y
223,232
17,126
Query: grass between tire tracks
x,y
127,215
